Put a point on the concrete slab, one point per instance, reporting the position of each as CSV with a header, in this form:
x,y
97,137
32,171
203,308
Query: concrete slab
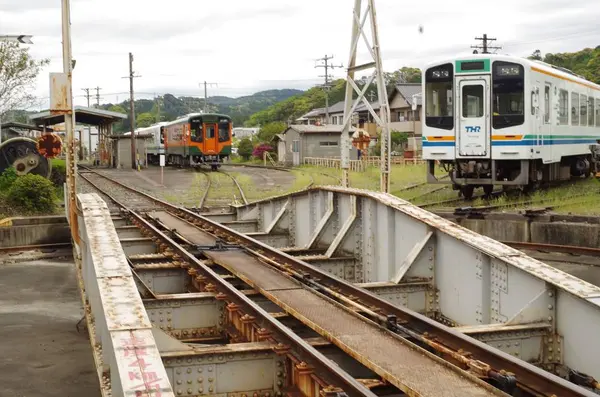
x,y
42,352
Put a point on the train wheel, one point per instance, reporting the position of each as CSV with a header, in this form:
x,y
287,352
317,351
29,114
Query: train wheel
x,y
488,189
214,167
467,191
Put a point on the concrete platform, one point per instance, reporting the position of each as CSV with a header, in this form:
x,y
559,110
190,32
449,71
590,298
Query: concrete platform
x,y
42,352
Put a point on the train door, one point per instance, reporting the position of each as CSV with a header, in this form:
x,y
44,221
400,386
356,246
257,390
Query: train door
x,y
210,138
474,119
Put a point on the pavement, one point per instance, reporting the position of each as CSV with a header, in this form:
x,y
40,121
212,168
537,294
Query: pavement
x,y
43,354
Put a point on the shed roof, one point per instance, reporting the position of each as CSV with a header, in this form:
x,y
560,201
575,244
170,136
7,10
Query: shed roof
x,y
407,90
137,136
22,126
319,129
83,115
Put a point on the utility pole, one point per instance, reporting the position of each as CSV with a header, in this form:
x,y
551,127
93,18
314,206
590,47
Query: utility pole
x,y
70,200
327,85
87,95
132,111
359,19
97,97
485,44
206,93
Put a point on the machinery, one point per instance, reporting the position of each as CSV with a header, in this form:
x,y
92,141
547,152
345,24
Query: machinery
x,y
23,155
503,120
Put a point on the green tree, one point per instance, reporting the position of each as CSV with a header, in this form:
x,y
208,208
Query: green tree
x,y
144,120
117,108
536,55
405,74
18,74
268,131
245,148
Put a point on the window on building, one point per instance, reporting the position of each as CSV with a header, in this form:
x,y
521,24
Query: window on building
x,y
574,108
563,107
296,146
328,143
583,110
591,111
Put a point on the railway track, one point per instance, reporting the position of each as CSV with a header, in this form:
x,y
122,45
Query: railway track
x,y
406,351
237,194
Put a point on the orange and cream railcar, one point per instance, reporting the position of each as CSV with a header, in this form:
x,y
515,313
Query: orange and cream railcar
x,y
197,139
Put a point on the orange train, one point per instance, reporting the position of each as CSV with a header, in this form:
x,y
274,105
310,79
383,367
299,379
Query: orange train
x,y
197,139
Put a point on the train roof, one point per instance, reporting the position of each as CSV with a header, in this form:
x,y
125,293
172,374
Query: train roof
x,y
188,116
542,66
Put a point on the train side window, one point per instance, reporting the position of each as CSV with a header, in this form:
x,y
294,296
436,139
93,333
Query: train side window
x,y
563,107
583,110
547,104
597,112
591,111
574,108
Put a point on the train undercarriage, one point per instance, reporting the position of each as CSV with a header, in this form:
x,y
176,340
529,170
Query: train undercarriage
x,y
214,162
466,175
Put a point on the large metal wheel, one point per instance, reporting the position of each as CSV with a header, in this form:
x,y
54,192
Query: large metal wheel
x,y
22,155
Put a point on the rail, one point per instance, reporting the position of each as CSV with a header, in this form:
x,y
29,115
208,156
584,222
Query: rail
x,y
483,360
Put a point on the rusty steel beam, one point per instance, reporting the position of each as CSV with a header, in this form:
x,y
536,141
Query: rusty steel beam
x,y
567,249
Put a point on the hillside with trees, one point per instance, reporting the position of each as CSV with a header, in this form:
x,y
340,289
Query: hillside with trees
x,y
585,62
168,107
294,107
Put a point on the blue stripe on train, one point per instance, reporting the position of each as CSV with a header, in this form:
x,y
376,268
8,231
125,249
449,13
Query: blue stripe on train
x,y
525,142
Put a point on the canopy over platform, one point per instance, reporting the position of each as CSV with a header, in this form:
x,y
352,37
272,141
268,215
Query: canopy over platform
x,y
83,115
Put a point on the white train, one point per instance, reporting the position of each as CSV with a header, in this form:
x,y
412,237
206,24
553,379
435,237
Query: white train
x,y
503,120
157,146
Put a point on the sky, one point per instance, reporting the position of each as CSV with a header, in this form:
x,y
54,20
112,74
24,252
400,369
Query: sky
x,y
247,46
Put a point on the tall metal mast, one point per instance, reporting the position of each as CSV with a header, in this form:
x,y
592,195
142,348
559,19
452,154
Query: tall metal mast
x,y
359,18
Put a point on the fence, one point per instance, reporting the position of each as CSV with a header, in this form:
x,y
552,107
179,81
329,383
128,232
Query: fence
x,y
359,165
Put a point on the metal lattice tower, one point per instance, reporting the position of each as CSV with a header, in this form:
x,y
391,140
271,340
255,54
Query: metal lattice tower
x,y
359,19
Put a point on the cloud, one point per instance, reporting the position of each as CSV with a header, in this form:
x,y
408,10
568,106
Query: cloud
x,y
248,46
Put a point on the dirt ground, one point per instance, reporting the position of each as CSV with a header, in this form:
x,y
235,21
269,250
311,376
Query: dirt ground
x,y
185,187
43,355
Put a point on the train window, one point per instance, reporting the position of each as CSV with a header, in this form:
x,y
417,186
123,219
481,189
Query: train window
x,y
438,97
597,112
591,111
210,131
472,97
161,133
583,110
547,104
563,107
196,130
508,94
223,132
574,108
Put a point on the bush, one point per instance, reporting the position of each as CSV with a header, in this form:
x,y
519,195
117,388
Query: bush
x,y
260,149
32,193
59,172
245,148
7,178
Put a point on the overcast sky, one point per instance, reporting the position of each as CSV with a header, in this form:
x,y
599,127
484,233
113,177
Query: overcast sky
x,y
247,46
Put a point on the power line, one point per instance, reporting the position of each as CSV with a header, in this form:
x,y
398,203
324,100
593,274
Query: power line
x,y
485,46
327,85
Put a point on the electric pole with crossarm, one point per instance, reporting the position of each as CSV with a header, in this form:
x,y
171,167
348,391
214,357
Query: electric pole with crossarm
x,y
327,86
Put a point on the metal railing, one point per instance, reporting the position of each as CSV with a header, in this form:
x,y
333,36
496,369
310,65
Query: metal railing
x,y
359,165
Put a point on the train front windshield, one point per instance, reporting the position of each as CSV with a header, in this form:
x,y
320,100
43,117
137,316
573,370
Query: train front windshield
x,y
196,133
224,130
508,95
439,94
